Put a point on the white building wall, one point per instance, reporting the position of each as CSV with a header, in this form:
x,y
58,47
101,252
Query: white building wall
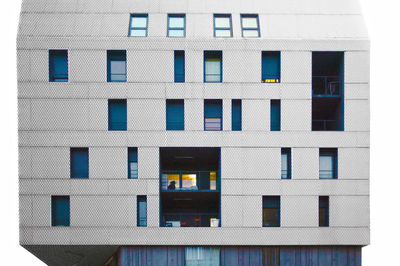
x,y
54,117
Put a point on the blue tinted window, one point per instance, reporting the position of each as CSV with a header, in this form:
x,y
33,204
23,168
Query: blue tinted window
x,y
79,162
222,25
138,25
213,115
271,67
60,211
286,171
117,114
236,115
275,115
116,66
179,66
212,66
58,65
141,211
175,115
132,163
176,25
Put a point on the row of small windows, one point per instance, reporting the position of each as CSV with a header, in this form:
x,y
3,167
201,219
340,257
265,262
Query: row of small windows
x,y
271,211
79,163
117,66
176,25
175,114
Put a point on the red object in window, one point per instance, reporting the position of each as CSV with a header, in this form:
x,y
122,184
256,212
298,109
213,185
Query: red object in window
x,y
184,224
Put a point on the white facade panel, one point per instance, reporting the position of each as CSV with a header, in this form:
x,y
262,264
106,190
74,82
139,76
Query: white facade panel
x,y
299,211
356,115
296,115
353,163
50,162
152,119
93,62
305,163
256,115
108,163
296,67
349,211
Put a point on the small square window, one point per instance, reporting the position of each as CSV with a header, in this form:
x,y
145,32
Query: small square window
x,y
222,25
328,163
58,65
138,25
250,26
176,25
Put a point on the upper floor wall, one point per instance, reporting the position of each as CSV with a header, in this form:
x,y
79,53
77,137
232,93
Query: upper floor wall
x,y
306,19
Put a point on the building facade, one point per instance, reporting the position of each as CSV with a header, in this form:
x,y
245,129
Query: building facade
x,y
187,132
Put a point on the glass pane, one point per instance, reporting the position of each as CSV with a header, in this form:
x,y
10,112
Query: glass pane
x,y
222,22
202,256
212,123
138,33
248,22
222,33
189,181
176,33
213,181
284,164
133,170
326,166
270,217
118,67
173,181
250,33
139,22
176,22
213,67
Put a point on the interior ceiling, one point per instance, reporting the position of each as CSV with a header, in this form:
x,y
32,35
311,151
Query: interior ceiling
x,y
190,158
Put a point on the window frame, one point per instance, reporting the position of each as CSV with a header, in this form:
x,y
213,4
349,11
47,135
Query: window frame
x,y
217,29
333,152
109,56
178,15
250,29
138,15
288,153
51,54
211,54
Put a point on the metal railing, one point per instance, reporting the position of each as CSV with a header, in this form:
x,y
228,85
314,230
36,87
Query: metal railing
x,y
190,220
326,85
324,125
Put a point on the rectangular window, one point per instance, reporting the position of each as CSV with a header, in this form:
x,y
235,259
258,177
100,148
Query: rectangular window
x,y
328,163
236,115
79,165
116,66
275,115
132,163
213,115
142,211
286,168
271,211
250,26
212,66
222,25
175,115
179,66
176,25
60,211
271,67
195,256
323,211
58,65
117,114
138,25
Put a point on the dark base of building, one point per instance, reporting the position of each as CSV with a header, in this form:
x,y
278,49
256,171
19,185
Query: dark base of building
x,y
179,255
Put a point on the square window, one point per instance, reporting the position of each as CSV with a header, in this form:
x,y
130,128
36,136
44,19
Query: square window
x,y
138,25
58,65
176,25
250,26
222,25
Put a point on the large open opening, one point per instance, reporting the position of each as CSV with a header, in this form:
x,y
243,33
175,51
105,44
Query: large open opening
x,y
190,187
327,91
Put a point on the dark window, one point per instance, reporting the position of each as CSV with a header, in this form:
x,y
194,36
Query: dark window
x,y
142,211
138,25
79,162
132,163
236,115
117,114
58,65
60,211
328,163
212,115
116,66
271,211
275,115
176,25
175,115
324,211
212,66
222,25
286,161
179,66
271,67
250,25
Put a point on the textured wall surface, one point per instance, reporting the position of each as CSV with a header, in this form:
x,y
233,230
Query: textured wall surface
x,y
56,116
